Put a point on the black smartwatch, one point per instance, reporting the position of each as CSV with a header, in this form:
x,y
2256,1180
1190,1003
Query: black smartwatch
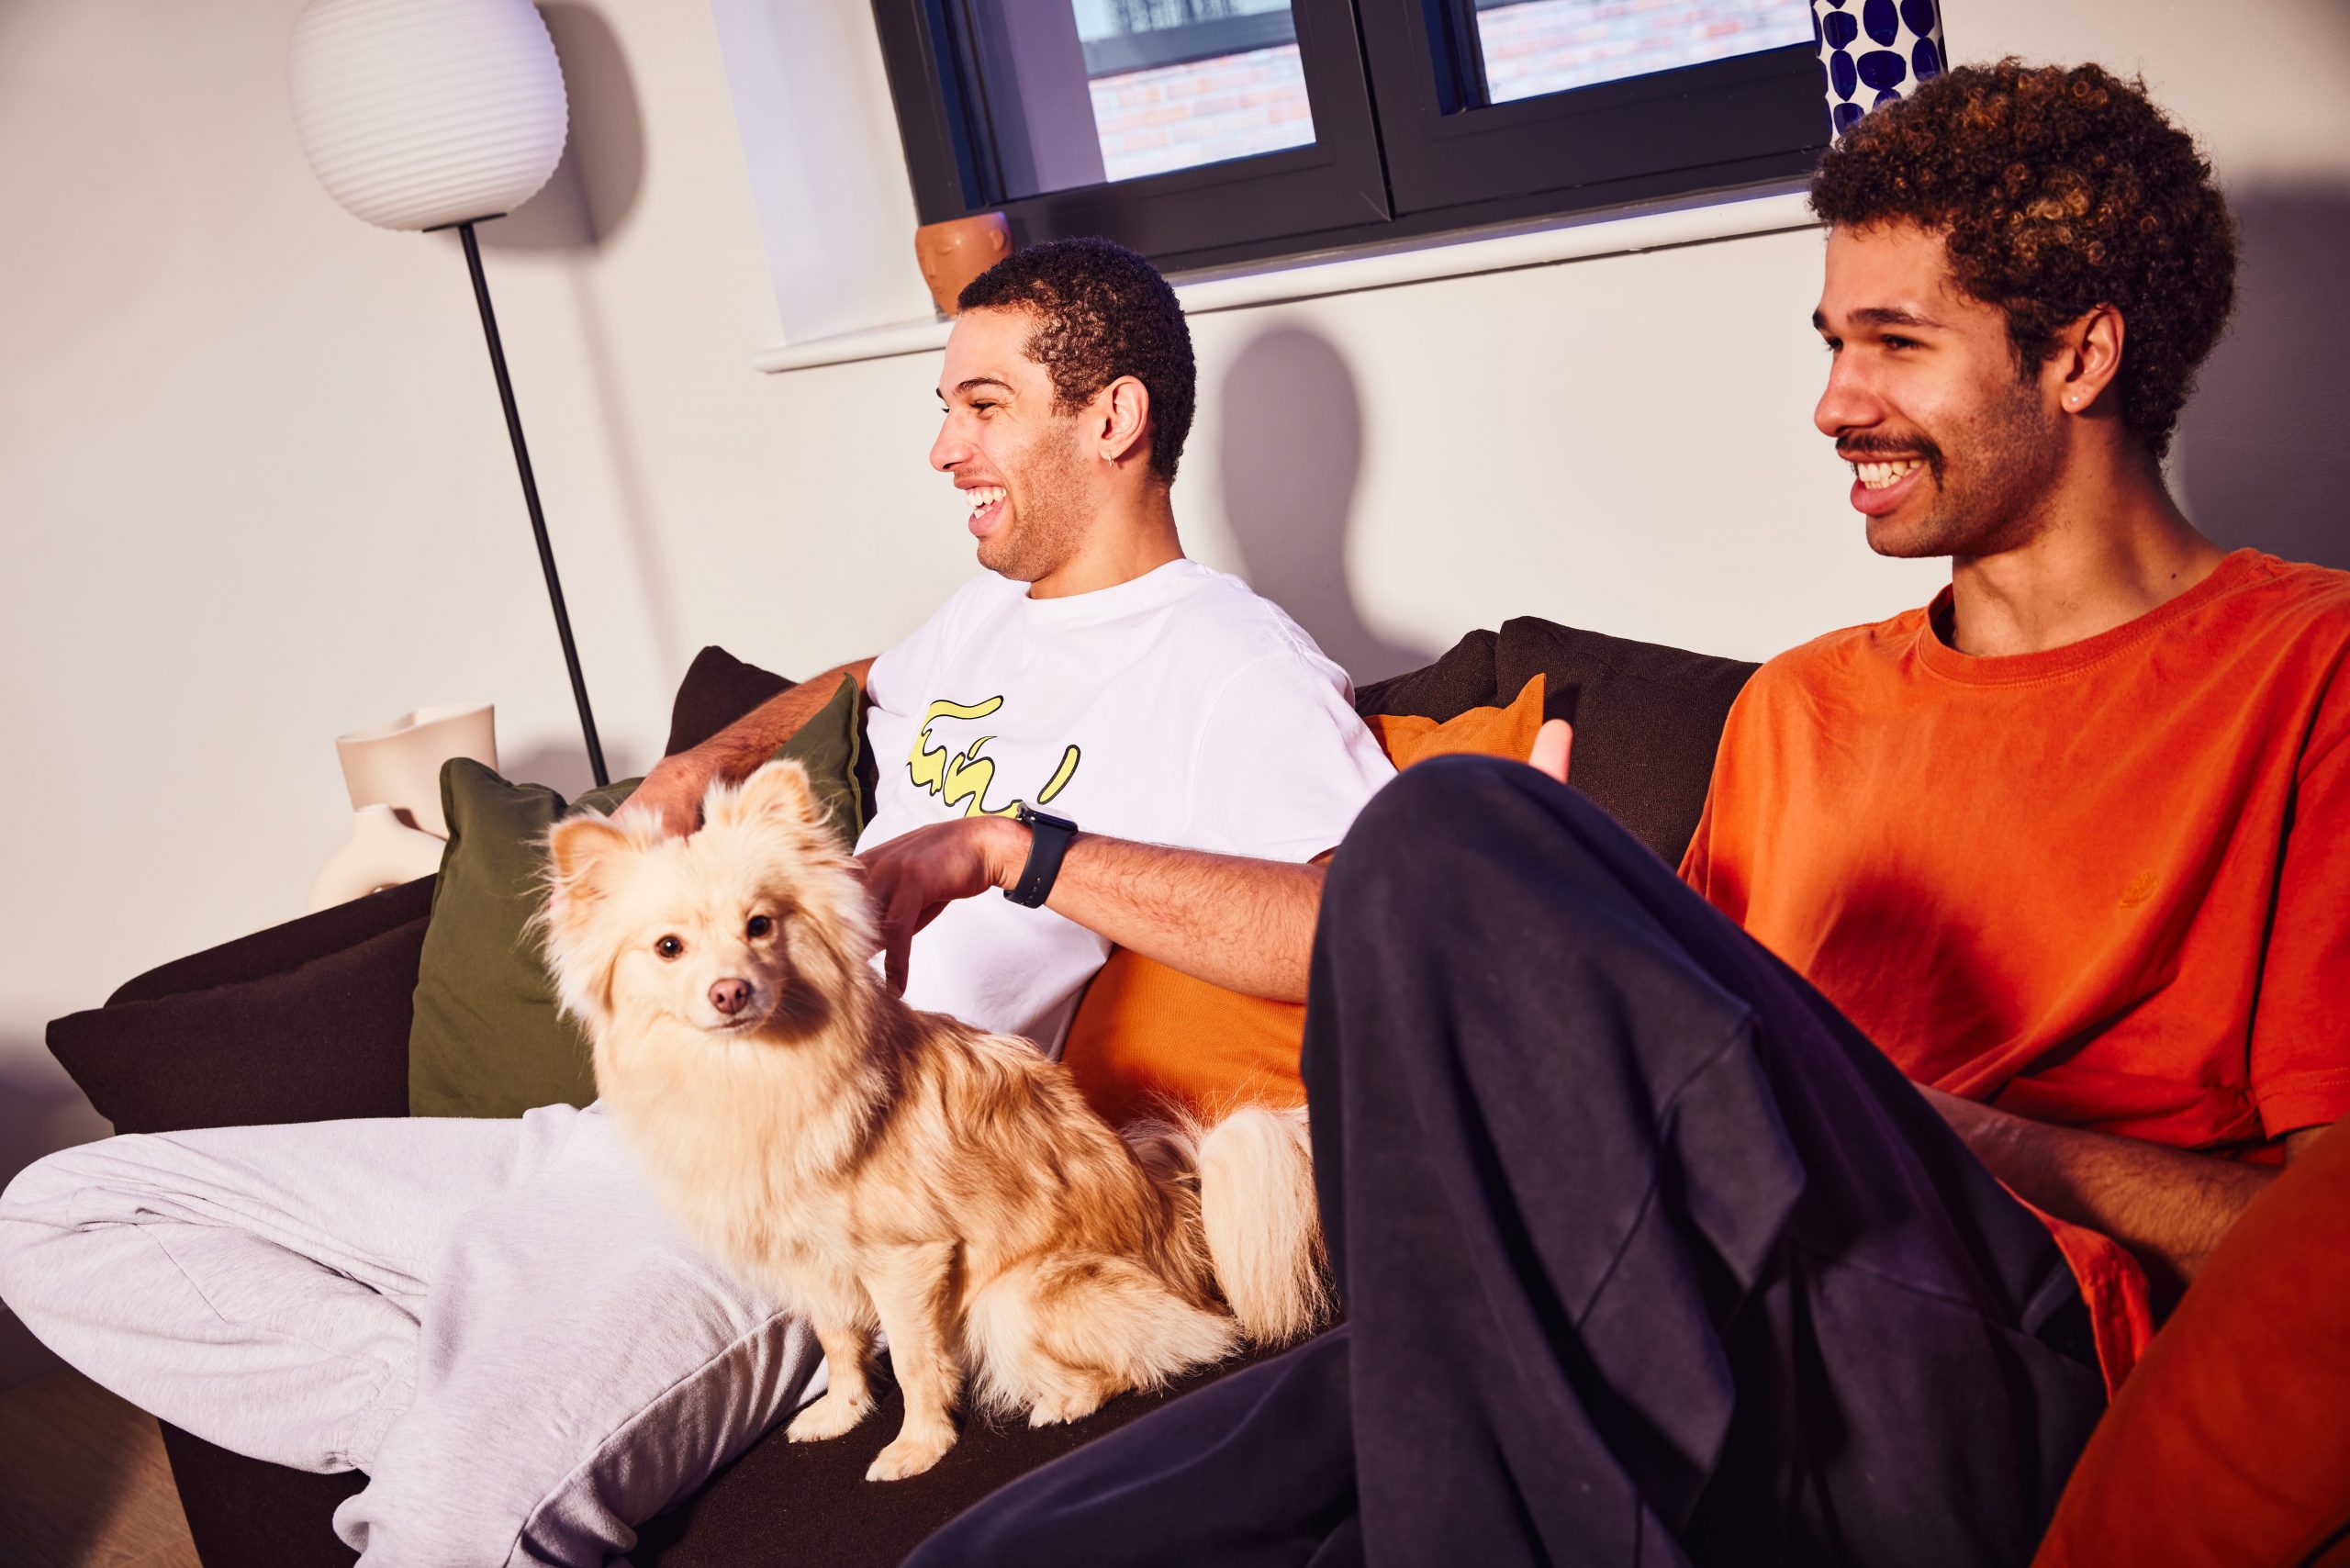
x,y
1048,840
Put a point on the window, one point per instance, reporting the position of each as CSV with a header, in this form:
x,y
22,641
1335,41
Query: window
x,y
1202,132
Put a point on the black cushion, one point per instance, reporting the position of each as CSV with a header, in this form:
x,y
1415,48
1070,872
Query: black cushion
x,y
322,1039
282,948
718,689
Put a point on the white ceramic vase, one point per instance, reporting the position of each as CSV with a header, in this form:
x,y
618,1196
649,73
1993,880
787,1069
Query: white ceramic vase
x,y
394,775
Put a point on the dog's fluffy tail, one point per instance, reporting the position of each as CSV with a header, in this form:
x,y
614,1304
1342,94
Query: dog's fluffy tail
x,y
1264,1236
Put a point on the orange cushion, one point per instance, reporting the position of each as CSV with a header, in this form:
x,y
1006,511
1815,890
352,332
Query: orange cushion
x,y
1482,732
2229,1445
1145,1031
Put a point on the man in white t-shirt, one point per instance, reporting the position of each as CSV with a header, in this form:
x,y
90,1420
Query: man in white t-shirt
x,y
1093,673
492,1318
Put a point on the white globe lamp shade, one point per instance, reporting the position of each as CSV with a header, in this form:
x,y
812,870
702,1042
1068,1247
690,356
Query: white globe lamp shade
x,y
417,114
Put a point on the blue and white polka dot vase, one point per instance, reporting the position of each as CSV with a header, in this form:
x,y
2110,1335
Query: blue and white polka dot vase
x,y
1875,51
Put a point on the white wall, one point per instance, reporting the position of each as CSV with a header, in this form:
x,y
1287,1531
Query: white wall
x,y
255,490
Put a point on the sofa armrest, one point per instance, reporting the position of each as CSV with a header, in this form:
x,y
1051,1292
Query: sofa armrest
x,y
284,946
322,1037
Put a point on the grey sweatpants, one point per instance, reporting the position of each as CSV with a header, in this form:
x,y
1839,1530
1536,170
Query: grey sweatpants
x,y
493,1319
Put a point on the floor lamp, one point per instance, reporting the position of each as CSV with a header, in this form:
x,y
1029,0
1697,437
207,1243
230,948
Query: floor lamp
x,y
440,114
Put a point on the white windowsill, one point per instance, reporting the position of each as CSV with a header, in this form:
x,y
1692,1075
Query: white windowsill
x,y
1275,284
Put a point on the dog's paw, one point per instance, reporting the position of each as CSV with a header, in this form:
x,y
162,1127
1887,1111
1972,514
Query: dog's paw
x,y
829,1416
910,1453
1059,1410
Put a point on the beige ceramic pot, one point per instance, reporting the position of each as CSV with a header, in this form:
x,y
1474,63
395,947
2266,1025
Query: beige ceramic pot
x,y
394,775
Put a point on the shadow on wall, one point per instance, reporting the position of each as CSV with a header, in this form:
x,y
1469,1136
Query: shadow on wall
x,y
1291,453
594,190
2261,459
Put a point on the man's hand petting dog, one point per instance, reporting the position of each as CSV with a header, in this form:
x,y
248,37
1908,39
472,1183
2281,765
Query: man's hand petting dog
x,y
913,876
672,794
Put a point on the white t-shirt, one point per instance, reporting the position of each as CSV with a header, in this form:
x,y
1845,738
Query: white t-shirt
x,y
1176,709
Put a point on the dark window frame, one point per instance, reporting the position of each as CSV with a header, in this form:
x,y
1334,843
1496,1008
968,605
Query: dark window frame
x,y
1432,159
1446,148
1193,40
1334,185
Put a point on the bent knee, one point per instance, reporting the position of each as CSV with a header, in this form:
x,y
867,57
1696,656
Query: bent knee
x,y
34,1208
1450,816
1429,803
123,1162
48,1182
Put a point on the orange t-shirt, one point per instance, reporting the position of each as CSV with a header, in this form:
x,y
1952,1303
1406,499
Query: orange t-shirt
x,y
2107,885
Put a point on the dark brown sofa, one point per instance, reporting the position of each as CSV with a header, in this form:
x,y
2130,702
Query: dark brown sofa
x,y
309,1021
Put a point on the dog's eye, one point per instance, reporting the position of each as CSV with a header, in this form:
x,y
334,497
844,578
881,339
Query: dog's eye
x,y
760,926
668,947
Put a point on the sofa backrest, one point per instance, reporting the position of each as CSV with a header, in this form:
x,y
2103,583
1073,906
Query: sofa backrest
x,y
310,1019
1646,717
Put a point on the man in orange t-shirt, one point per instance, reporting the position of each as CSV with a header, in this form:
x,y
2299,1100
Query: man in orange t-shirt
x,y
2069,844
1651,1248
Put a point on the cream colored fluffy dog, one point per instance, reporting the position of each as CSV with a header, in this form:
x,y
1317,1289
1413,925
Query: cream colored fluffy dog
x,y
878,1167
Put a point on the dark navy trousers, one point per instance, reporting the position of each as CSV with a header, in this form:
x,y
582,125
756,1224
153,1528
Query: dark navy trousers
x,y
1647,1255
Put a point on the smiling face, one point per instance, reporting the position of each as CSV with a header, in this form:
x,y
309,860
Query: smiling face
x,y
1022,462
1955,451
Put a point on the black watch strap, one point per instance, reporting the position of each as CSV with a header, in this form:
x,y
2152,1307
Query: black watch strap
x,y
1048,839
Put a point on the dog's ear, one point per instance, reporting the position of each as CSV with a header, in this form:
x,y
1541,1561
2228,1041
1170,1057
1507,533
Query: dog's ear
x,y
582,853
778,791
578,850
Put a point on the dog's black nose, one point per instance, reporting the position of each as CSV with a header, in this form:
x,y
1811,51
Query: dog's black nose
x,y
729,996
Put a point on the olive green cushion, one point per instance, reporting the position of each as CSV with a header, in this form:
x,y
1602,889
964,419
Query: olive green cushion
x,y
486,1039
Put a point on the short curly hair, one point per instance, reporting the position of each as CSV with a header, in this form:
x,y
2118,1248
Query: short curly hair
x,y
1102,312
2056,189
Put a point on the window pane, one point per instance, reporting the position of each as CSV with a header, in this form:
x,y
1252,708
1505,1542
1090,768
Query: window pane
x,y
1532,47
1085,91
1179,116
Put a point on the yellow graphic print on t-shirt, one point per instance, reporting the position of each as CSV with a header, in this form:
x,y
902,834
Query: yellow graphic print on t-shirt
x,y
962,780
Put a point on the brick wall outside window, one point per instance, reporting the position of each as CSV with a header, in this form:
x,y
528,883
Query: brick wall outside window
x,y
1177,116
1547,46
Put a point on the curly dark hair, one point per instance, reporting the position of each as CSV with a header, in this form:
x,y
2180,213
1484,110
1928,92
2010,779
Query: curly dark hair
x,y
2056,189
1102,312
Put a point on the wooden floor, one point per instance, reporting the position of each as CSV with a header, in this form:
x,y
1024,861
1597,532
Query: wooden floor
x,y
84,1482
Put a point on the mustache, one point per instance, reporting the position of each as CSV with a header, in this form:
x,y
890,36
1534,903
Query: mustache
x,y
1864,447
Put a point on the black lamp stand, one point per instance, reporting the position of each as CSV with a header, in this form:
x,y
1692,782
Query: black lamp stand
x,y
530,496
